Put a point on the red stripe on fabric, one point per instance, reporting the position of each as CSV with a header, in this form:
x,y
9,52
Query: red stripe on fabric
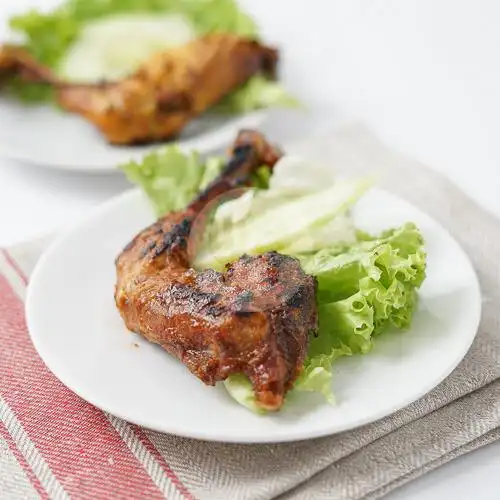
x,y
141,435
78,443
15,266
22,462
159,458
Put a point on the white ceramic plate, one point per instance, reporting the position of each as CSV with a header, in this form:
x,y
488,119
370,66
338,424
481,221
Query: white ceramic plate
x,y
48,137
79,334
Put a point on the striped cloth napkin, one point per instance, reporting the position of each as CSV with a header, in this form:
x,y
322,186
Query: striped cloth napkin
x,y
55,445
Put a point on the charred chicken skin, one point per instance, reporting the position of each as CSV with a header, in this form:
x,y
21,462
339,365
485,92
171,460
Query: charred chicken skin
x,y
255,318
163,95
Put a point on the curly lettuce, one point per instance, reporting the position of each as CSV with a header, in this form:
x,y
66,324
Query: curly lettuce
x,y
258,93
171,178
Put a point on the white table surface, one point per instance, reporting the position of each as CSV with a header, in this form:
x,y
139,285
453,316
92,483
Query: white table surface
x,y
424,74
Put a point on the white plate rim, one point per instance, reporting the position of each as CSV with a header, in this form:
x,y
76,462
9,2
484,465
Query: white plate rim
x,y
476,311
204,143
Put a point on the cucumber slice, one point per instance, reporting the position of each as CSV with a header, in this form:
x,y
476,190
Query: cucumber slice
x,y
112,48
281,225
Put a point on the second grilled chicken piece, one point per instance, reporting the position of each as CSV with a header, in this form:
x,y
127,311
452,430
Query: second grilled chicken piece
x,y
15,60
169,90
255,318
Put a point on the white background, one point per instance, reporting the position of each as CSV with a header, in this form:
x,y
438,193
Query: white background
x,y
425,74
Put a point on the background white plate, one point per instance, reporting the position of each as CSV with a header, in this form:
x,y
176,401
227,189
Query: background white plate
x,y
79,334
46,136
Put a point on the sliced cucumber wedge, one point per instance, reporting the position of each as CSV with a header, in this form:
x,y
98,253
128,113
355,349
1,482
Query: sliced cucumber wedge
x,y
113,47
281,226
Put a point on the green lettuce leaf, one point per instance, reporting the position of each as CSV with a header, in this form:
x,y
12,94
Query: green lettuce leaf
x,y
259,92
317,373
240,389
397,253
363,292
261,177
48,36
171,178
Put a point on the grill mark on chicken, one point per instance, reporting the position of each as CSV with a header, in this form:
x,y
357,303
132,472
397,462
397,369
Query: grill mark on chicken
x,y
176,237
255,318
158,100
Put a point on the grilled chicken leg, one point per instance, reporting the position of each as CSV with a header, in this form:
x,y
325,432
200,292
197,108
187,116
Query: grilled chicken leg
x,y
169,90
255,318
16,61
